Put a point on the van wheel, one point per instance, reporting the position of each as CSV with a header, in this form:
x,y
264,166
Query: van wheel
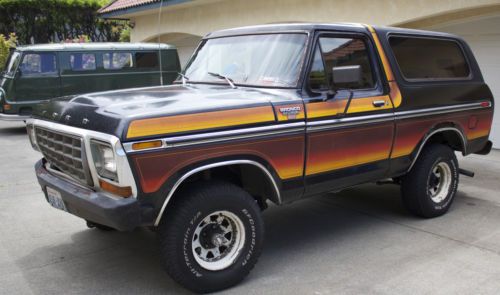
x,y
429,188
211,236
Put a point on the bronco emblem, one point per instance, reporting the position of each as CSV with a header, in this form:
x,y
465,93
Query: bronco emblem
x,y
290,112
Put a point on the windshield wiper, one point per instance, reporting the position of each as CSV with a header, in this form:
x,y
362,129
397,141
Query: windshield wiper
x,y
229,80
184,78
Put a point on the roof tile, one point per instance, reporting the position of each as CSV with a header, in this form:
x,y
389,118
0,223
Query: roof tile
x,y
124,4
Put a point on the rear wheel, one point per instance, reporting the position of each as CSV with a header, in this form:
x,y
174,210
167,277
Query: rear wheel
x,y
211,237
429,189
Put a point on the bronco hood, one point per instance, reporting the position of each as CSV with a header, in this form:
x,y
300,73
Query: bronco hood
x,y
153,110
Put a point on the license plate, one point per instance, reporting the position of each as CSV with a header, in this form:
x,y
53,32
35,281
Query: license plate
x,y
54,198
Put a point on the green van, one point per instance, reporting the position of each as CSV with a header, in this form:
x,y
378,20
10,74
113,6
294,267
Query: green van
x,y
37,73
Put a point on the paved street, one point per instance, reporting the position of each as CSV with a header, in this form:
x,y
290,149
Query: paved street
x,y
358,241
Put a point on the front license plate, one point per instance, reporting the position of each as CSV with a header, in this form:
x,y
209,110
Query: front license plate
x,y
54,198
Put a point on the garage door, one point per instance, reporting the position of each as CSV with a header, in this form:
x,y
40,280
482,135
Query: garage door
x,y
483,37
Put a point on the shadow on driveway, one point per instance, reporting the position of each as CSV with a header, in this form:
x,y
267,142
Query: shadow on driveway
x,y
324,236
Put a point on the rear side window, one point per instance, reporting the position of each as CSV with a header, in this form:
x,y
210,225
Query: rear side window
x,y
117,60
146,60
428,59
38,63
82,61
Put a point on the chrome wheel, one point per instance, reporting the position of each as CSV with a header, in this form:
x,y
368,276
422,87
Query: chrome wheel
x,y
218,240
439,182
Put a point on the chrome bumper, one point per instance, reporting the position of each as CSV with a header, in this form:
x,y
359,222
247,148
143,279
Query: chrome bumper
x,y
13,117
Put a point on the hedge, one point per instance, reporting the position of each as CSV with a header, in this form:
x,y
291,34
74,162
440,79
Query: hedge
x,y
45,21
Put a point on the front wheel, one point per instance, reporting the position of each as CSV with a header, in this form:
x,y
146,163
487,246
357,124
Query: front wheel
x,y
429,188
211,237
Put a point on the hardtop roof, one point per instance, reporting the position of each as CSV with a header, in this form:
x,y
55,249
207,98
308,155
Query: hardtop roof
x,y
309,27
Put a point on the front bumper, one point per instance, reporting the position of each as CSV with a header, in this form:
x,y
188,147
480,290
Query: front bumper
x,y
13,117
120,213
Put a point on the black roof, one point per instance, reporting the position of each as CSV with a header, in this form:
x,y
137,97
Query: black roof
x,y
309,27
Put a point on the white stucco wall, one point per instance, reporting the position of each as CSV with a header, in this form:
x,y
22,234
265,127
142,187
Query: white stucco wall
x,y
203,16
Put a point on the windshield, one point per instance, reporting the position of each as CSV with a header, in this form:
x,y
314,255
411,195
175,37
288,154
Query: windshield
x,y
12,63
259,60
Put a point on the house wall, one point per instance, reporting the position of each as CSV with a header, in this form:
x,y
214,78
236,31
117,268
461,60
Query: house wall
x,y
215,15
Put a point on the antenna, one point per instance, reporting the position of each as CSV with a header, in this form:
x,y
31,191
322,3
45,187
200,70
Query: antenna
x,y
159,43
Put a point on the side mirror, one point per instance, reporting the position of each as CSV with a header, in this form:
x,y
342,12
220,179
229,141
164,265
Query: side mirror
x,y
346,76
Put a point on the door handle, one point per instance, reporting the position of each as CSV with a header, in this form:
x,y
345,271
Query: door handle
x,y
378,103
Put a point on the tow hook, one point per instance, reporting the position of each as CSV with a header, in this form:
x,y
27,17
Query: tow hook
x,y
466,172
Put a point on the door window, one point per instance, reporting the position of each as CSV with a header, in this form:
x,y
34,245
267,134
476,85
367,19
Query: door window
x,y
340,52
12,63
38,63
117,60
82,61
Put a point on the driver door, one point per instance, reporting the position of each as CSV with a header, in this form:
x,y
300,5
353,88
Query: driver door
x,y
347,144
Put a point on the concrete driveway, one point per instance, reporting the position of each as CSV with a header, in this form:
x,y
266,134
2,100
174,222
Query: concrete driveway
x,y
358,241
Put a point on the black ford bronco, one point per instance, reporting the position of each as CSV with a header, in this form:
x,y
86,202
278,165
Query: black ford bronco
x,y
272,113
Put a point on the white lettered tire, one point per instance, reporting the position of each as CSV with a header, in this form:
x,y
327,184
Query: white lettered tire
x,y
429,189
211,236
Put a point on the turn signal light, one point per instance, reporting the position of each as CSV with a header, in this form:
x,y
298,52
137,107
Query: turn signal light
x,y
124,192
7,107
147,145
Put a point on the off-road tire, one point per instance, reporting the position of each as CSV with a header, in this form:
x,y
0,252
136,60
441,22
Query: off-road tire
x,y
416,186
177,232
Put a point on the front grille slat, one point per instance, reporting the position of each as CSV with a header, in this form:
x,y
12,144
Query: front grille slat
x,y
64,153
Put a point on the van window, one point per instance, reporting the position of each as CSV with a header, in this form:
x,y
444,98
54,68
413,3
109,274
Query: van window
x,y
146,60
339,52
82,61
117,60
426,58
39,63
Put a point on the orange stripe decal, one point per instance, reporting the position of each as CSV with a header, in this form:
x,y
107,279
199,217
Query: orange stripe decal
x,y
395,93
199,121
335,107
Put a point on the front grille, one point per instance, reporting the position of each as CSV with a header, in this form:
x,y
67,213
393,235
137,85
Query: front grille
x,y
64,153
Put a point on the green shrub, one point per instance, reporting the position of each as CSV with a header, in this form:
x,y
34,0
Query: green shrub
x,y
46,21
6,43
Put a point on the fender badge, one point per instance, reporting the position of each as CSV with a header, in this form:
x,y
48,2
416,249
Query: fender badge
x,y
290,112
85,121
67,118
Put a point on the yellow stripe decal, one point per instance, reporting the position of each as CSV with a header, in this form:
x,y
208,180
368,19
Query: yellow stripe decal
x,y
395,93
200,121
